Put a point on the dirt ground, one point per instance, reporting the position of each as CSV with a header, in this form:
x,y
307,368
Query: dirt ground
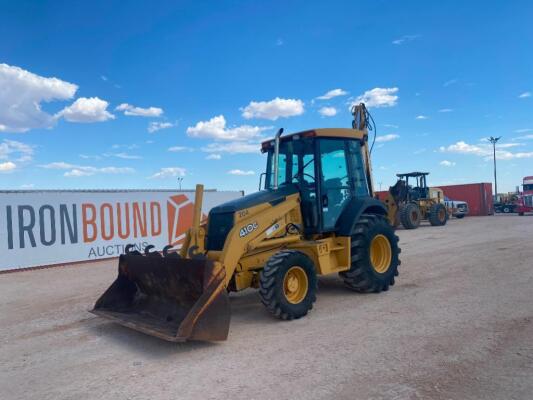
x,y
457,325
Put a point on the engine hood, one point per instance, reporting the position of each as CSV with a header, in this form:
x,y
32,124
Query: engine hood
x,y
222,217
263,196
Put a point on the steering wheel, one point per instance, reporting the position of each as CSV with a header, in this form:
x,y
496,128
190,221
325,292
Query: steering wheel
x,y
310,176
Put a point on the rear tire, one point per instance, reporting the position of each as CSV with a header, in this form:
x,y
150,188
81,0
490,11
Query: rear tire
x,y
438,215
460,216
370,273
287,284
410,216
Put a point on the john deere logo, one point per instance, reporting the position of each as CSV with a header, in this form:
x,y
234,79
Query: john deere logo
x,y
246,230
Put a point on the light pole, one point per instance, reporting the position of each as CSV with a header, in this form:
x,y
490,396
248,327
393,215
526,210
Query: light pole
x,y
179,182
494,140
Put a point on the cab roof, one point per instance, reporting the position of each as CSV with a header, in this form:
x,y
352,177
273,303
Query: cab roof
x,y
320,132
412,174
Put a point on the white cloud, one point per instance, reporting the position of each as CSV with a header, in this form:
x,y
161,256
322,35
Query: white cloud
x,y
124,156
524,130
125,146
169,172
115,170
85,170
58,165
7,166
86,110
391,126
157,126
387,138
232,148
216,128
103,77
12,150
332,93
213,157
507,155
445,110
525,137
27,186
485,150
273,109
421,117
378,97
446,163
525,95
280,42
21,95
328,111
240,172
75,173
450,82
405,38
138,111
90,157
177,149
507,145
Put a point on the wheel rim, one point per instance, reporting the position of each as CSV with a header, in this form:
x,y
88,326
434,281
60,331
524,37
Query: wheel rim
x,y
295,285
414,216
442,215
380,253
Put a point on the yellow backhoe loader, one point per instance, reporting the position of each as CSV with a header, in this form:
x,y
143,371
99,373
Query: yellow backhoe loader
x,y
316,215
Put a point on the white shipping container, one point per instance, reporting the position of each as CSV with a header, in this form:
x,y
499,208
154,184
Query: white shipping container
x,y
39,228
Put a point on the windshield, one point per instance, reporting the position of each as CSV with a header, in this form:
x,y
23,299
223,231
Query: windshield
x,y
296,164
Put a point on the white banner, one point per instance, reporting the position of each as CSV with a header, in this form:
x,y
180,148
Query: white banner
x,y
51,227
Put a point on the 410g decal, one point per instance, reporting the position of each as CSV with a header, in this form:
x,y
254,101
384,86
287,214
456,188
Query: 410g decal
x,y
246,230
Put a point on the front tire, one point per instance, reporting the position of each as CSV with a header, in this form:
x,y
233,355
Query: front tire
x,y
374,255
438,215
410,216
288,284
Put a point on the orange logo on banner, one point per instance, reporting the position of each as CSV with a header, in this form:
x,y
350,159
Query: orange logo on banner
x,y
180,212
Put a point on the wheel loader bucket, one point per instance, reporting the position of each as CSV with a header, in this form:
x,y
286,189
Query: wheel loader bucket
x,y
172,298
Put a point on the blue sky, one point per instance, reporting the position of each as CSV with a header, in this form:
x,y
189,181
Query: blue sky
x,y
217,77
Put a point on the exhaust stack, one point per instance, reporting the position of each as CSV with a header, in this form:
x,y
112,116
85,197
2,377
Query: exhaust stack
x,y
276,157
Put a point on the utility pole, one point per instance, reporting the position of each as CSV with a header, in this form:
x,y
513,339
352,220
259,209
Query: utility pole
x,y
494,140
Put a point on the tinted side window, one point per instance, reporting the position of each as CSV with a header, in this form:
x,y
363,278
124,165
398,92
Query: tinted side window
x,y
336,189
357,168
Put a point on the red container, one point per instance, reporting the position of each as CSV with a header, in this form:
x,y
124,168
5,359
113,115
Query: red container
x,y
477,195
381,194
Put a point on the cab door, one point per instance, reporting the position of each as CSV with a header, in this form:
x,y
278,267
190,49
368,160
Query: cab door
x,y
342,177
334,180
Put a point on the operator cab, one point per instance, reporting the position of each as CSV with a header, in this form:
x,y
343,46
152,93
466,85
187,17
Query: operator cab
x,y
326,166
420,189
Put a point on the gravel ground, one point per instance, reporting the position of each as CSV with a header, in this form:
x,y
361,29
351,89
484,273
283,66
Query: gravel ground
x,y
457,325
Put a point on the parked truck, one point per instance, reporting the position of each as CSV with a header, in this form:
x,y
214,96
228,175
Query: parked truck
x,y
525,201
456,208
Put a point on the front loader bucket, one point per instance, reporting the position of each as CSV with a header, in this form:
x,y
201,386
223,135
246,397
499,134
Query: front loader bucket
x,y
172,298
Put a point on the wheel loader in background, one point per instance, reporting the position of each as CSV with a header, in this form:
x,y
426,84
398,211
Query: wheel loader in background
x,y
409,204
316,215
